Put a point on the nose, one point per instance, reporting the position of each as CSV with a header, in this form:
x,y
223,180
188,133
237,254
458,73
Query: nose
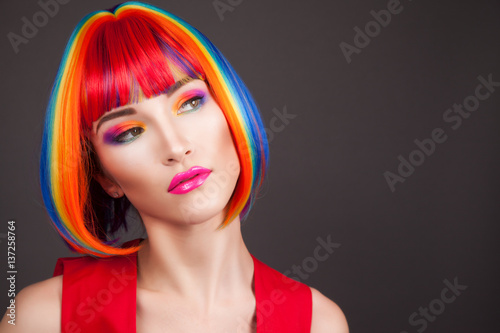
x,y
175,151
174,145
176,156
172,138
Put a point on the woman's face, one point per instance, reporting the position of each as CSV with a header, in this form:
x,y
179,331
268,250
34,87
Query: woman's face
x,y
142,147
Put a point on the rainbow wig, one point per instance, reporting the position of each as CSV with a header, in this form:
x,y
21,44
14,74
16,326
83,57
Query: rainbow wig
x,y
119,57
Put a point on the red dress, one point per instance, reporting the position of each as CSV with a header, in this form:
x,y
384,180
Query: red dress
x,y
99,295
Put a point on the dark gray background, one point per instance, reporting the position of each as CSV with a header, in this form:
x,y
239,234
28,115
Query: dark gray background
x,y
326,172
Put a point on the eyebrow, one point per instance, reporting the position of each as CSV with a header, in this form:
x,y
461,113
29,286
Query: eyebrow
x,y
113,115
125,112
176,86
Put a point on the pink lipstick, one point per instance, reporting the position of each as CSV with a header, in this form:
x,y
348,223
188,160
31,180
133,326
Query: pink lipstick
x,y
184,182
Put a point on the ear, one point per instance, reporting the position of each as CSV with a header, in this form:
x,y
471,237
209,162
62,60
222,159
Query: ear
x,y
111,188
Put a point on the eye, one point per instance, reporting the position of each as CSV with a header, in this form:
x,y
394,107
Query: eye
x,y
124,132
129,135
191,105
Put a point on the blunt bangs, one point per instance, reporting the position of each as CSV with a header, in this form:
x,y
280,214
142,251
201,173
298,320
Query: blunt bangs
x,y
130,60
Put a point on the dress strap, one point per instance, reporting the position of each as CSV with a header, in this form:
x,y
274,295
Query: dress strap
x,y
99,295
283,304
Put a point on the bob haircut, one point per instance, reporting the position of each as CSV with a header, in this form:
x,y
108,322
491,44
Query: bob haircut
x,y
118,57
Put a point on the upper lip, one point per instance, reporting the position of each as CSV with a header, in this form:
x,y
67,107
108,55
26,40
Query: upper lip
x,y
182,176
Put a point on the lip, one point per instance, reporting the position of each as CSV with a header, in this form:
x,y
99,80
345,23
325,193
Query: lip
x,y
186,181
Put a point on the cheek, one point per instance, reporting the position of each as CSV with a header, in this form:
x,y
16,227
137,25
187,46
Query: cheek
x,y
124,166
226,154
220,139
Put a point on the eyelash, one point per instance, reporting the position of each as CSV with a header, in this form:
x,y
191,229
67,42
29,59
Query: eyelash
x,y
201,100
117,135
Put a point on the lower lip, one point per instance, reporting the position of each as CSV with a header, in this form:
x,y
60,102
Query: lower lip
x,y
191,184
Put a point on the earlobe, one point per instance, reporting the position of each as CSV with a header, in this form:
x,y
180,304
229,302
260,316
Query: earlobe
x,y
109,186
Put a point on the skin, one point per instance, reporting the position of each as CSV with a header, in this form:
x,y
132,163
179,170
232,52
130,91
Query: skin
x,y
191,276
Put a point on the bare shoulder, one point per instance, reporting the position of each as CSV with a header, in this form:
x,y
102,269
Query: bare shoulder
x,y
327,317
37,308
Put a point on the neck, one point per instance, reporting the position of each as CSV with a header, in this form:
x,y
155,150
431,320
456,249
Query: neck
x,y
196,261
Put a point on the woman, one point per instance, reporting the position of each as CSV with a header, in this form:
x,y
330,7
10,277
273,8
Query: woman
x,y
146,112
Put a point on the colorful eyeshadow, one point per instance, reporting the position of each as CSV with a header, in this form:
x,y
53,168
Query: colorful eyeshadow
x,y
118,133
187,97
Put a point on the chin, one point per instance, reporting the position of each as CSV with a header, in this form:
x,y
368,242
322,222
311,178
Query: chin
x,y
192,217
203,206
